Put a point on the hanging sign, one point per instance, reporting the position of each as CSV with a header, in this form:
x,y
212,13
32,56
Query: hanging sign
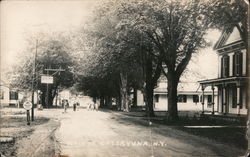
x,y
47,79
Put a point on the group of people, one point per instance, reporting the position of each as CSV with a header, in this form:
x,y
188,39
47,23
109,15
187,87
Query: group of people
x,y
92,106
65,104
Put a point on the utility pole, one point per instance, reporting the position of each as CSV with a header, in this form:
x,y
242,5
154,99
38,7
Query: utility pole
x,y
47,92
33,88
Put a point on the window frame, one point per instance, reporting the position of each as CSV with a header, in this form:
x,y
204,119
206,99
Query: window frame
x,y
209,100
238,57
225,63
195,98
156,97
13,95
182,98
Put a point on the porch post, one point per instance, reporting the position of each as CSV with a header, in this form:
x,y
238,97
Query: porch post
x,y
238,99
212,99
224,99
203,98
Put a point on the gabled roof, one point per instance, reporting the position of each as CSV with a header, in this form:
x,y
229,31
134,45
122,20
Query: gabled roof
x,y
228,37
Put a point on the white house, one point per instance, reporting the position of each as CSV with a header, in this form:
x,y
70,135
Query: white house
x,y
189,97
8,96
232,73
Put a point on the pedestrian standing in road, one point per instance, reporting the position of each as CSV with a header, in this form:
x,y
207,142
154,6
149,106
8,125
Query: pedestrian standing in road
x,y
74,106
77,106
65,104
96,106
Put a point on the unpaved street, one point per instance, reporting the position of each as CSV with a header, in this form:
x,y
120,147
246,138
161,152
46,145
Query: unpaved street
x,y
112,134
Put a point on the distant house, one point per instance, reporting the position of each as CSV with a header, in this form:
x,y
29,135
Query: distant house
x,y
189,97
66,94
8,96
232,73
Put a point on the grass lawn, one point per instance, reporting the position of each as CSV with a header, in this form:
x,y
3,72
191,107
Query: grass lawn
x,y
232,133
14,125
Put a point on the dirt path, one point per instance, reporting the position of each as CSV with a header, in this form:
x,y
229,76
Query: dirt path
x,y
41,143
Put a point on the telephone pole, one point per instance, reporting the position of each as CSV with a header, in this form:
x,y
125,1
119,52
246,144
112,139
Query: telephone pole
x,y
33,82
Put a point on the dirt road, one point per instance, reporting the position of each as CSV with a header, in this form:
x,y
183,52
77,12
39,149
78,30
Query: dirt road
x,y
112,134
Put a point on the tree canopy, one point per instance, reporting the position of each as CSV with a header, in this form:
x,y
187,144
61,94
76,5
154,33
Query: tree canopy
x,y
51,54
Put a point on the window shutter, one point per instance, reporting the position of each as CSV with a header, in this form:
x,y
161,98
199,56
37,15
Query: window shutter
x,y
227,70
234,66
234,97
222,67
240,63
185,98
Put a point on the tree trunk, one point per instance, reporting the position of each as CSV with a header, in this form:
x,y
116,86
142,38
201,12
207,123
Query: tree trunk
x,y
123,89
102,101
118,102
43,98
51,97
172,98
135,98
108,102
149,88
150,99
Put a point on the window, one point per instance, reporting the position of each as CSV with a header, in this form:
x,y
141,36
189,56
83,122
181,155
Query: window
x,y
234,97
225,66
241,93
195,98
201,98
1,94
157,98
13,95
209,100
182,98
237,64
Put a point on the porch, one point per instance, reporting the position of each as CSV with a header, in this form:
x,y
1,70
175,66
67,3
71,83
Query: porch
x,y
230,95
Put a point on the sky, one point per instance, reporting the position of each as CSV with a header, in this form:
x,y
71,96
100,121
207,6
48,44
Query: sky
x,y
20,18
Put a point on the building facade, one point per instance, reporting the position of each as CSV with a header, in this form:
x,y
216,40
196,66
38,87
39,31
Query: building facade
x,y
189,97
232,74
8,96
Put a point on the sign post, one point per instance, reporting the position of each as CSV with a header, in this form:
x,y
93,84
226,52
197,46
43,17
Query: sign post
x,y
27,106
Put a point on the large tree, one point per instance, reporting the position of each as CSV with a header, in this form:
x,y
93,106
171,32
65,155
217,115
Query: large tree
x,y
176,30
228,14
51,54
124,51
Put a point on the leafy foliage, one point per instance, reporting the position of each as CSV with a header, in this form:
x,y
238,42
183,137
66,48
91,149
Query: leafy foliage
x,y
51,54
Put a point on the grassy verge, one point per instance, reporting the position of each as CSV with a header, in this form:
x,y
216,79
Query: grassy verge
x,y
230,134
14,125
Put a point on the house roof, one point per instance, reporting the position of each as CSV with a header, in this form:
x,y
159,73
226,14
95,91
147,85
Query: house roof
x,y
183,88
230,40
228,37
